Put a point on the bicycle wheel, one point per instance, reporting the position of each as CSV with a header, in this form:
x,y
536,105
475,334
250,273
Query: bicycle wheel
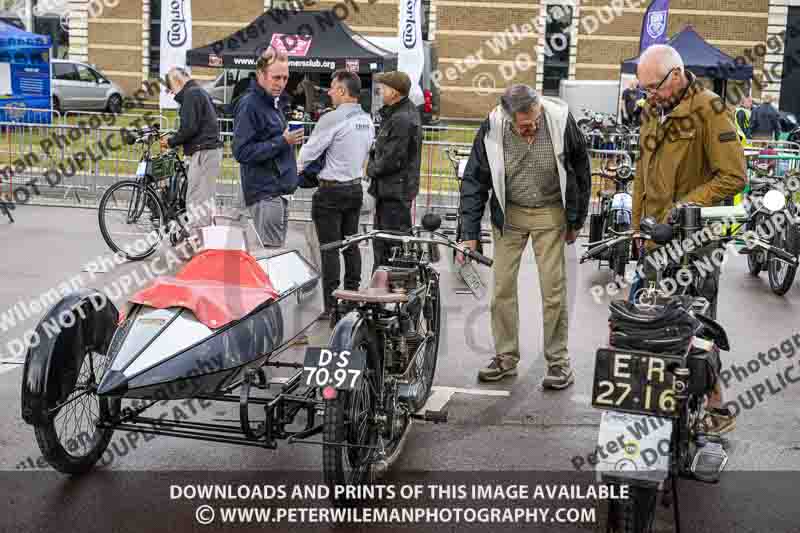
x,y
350,420
781,275
131,219
424,366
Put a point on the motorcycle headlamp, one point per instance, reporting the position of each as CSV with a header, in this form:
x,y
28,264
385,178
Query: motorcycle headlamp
x,y
774,200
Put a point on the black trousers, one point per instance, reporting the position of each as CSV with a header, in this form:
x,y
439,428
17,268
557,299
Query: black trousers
x,y
335,211
389,215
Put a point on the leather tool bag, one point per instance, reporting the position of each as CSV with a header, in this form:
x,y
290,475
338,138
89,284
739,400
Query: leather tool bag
x,y
666,329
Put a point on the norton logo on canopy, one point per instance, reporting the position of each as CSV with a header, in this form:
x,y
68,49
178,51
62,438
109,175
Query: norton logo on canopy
x,y
176,33
410,30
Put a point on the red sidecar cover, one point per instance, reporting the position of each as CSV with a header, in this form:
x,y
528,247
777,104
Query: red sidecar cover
x,y
218,286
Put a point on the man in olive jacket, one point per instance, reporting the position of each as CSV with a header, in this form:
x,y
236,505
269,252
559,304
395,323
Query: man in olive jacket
x,y
690,153
532,157
394,161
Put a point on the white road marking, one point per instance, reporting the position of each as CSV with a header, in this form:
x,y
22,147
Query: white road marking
x,y
441,395
8,368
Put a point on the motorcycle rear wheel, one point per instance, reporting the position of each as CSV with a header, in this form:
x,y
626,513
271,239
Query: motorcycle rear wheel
x,y
635,514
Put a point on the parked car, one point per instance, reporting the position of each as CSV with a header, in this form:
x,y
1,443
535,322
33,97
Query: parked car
x,y
82,87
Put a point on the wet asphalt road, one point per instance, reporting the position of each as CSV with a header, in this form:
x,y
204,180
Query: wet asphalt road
x,y
510,426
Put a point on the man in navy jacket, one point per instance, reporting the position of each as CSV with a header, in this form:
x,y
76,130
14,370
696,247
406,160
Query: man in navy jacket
x,y
264,147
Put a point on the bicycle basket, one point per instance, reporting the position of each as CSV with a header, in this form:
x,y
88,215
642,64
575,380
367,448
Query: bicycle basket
x,y
162,167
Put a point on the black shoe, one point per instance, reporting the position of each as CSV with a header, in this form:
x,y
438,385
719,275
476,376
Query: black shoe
x,y
325,316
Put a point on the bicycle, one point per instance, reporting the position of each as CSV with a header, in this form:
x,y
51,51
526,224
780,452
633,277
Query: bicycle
x,y
151,206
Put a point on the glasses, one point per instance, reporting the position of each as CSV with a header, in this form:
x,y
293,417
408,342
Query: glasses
x,y
657,87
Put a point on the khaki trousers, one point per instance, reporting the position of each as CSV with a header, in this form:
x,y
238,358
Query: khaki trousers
x,y
546,227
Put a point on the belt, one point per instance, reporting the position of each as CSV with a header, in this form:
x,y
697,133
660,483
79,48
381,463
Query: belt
x,y
334,183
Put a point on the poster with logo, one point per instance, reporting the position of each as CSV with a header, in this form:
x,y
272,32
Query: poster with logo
x,y
410,56
176,40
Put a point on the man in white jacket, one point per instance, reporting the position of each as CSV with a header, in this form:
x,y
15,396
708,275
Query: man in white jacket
x,y
531,155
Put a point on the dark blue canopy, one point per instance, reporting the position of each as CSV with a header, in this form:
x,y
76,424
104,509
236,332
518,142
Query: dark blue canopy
x,y
701,58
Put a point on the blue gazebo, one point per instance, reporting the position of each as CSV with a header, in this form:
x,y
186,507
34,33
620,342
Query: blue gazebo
x,y
24,75
702,59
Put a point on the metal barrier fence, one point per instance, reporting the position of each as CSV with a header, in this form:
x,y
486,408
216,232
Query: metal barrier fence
x,y
91,159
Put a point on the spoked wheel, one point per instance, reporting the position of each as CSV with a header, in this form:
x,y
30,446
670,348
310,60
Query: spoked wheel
x,y
131,219
423,367
781,275
635,514
69,439
755,263
621,254
350,423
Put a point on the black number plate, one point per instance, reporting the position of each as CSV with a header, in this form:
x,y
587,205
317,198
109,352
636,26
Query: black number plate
x,y
327,367
635,382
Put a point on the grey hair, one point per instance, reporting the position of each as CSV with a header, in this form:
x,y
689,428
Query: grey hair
x,y
665,56
519,98
177,73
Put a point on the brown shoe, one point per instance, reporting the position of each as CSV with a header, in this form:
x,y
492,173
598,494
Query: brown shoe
x,y
558,377
500,367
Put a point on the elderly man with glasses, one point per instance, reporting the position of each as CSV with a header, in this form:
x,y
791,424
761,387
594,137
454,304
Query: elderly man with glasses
x,y
690,153
531,155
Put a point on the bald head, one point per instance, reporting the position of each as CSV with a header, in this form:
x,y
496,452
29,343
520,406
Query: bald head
x,y
662,58
661,74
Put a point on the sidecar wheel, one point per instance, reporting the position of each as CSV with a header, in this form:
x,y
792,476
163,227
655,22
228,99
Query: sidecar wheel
x,y
62,371
69,440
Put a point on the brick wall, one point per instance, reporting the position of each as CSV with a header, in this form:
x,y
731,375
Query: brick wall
x,y
462,27
115,43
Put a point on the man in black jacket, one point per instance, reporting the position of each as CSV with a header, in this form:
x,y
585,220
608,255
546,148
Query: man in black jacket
x,y
394,161
765,123
199,136
531,155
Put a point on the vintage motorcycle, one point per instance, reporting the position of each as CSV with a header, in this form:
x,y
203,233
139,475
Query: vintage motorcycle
x,y
216,330
772,211
393,326
613,214
652,380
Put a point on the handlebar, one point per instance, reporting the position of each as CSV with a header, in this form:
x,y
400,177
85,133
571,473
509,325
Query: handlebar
x,y
146,135
406,238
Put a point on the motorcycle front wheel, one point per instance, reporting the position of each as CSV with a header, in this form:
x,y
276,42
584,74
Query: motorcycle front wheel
x,y
350,429
621,253
781,275
754,265
636,514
